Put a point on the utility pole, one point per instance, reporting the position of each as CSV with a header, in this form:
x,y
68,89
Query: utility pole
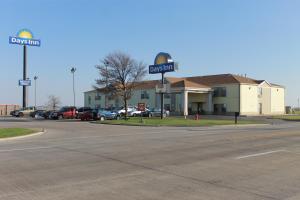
x,y
298,104
35,78
73,70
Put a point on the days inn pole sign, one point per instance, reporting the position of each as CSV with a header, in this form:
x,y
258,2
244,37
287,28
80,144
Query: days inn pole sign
x,y
163,63
25,38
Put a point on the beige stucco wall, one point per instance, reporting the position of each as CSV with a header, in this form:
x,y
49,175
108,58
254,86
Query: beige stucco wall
x,y
265,98
249,100
232,97
277,100
136,98
243,98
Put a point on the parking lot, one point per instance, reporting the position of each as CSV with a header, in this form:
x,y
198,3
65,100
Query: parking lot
x,y
83,160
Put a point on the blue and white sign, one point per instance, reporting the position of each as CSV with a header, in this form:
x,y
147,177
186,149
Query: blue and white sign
x,y
24,41
24,37
162,68
25,82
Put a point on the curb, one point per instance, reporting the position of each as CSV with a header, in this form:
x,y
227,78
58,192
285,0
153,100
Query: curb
x,y
141,125
23,136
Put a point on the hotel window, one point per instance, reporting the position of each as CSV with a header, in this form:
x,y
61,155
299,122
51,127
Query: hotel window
x,y
220,108
144,95
167,96
98,96
259,91
89,100
220,92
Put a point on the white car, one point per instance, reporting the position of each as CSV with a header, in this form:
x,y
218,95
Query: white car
x,y
129,109
135,113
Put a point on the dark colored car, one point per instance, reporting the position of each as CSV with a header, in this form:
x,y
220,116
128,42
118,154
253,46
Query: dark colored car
x,y
32,114
156,112
48,113
89,115
81,110
13,113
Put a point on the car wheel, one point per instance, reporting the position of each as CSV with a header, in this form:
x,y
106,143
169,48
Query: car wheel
x,y
21,114
60,117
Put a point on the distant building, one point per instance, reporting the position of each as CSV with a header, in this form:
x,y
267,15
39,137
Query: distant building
x,y
5,109
214,94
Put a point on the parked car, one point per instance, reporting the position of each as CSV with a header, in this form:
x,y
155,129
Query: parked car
x,y
13,113
107,114
40,114
66,112
122,110
24,112
89,115
156,112
135,113
54,115
48,113
32,114
81,110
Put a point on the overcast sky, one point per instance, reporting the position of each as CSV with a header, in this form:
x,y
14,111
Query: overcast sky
x,y
254,37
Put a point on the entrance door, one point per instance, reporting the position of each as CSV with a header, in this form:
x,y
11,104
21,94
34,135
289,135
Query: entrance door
x,y
260,108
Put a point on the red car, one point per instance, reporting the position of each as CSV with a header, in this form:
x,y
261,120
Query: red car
x,y
67,112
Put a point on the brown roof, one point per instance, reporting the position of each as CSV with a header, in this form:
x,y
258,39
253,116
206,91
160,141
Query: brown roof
x,y
221,79
182,82
201,81
147,84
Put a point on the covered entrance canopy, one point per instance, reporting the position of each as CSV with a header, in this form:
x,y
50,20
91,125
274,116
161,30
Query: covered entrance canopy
x,y
196,98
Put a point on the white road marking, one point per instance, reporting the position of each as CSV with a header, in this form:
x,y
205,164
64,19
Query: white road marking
x,y
24,149
260,154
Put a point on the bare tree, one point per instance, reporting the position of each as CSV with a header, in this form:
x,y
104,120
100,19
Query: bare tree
x,y
53,102
119,76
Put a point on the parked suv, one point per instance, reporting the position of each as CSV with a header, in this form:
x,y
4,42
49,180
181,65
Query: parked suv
x,y
24,111
82,110
66,112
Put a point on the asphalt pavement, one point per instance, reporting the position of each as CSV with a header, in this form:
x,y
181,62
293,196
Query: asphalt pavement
x,y
86,161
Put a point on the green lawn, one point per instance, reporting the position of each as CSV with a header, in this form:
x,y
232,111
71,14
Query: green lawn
x,y
288,117
172,121
13,132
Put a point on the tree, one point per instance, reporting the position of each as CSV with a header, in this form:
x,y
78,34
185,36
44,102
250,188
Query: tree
x,y
119,76
53,102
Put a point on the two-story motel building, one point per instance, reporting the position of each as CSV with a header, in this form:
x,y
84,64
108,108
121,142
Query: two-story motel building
x,y
214,94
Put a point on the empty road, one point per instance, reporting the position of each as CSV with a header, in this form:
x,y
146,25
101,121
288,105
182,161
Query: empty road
x,y
85,161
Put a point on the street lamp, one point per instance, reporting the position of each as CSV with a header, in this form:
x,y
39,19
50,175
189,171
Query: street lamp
x,y
35,78
73,70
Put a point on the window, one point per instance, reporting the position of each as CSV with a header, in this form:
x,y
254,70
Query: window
x,y
259,91
167,96
220,108
98,96
89,100
144,95
219,92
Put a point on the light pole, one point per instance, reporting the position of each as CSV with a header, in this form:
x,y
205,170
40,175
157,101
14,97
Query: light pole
x,y
35,78
73,70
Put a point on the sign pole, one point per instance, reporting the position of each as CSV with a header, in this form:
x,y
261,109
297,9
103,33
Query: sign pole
x,y
162,98
24,75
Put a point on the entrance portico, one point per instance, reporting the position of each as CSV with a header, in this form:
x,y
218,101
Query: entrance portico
x,y
197,101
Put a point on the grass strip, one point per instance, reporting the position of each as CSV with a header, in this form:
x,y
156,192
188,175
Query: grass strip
x,y
14,132
176,122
